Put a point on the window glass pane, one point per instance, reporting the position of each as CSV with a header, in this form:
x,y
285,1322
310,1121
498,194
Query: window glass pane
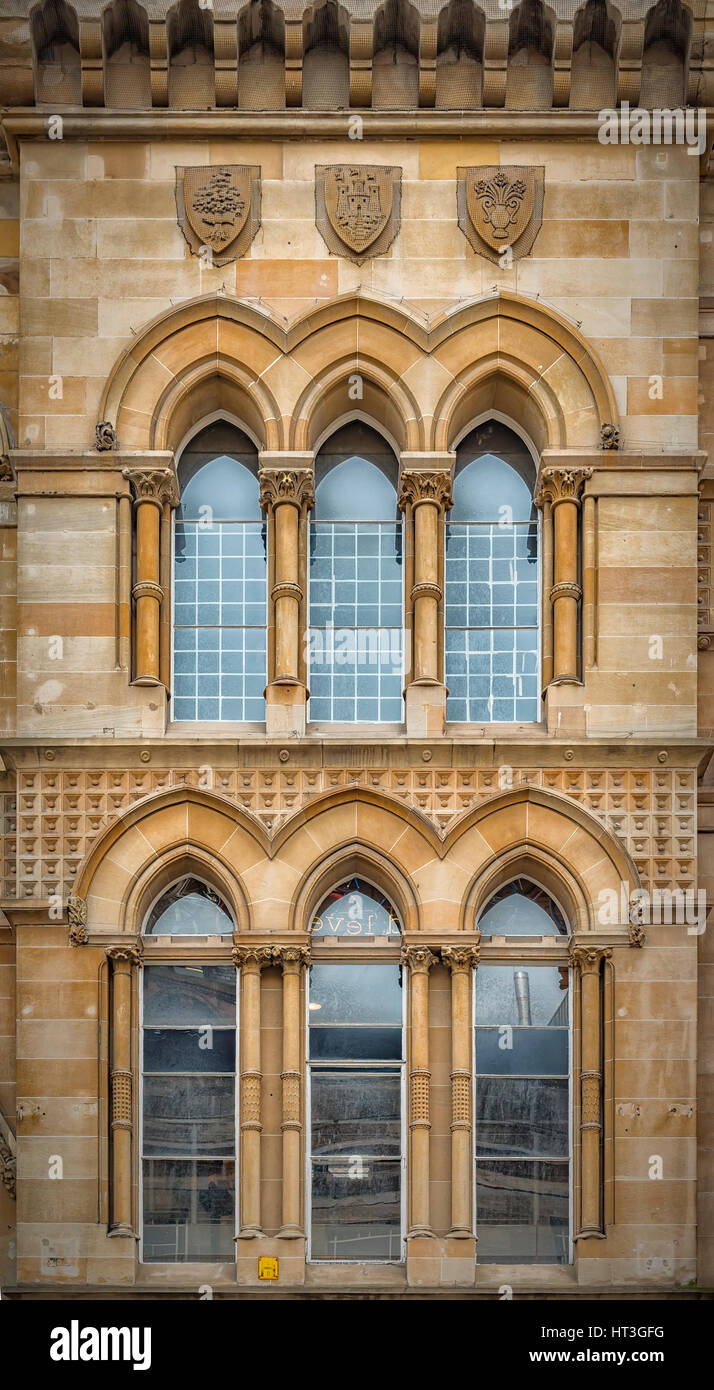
x,y
356,1209
522,908
356,477
515,1118
188,1116
190,994
356,1112
494,470
355,993
189,908
522,1051
358,1043
355,909
522,1212
218,469
522,994
190,1049
189,1210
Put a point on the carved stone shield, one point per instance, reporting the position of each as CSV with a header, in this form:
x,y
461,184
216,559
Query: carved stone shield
x,y
358,208
219,209
500,208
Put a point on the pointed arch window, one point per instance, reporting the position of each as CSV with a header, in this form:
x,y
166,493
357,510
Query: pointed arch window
x,y
522,1079
491,573
356,595
356,1083
220,581
189,1019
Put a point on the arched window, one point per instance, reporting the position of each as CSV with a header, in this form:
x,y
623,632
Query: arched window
x,y
188,1090
189,908
261,63
356,582
220,581
127,68
522,1069
356,1063
492,582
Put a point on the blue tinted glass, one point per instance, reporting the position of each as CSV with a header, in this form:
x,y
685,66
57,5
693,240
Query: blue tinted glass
x,y
355,490
227,486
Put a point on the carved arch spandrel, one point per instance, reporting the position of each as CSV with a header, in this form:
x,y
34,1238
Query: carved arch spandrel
x,y
502,337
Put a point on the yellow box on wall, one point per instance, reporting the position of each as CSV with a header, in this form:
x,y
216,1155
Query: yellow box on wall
x,y
267,1267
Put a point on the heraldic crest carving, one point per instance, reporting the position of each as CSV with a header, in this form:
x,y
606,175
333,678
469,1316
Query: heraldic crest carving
x,y
358,208
219,207
500,207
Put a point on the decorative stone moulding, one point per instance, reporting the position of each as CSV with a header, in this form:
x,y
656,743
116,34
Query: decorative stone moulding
x,y
358,208
218,208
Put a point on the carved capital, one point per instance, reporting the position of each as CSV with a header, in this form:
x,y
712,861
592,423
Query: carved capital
x,y
155,485
77,918
292,958
588,958
253,958
418,958
461,959
562,485
124,957
417,487
295,486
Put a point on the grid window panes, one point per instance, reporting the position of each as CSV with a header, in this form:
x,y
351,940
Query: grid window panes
x,y
491,577
356,641
220,581
188,1113
522,1129
356,1083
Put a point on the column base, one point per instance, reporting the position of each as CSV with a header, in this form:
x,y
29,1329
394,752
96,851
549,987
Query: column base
x,y
441,1262
565,708
285,710
124,1232
425,706
290,1233
249,1233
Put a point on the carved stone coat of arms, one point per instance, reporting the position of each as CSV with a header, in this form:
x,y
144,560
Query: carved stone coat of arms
x,y
500,207
358,208
219,208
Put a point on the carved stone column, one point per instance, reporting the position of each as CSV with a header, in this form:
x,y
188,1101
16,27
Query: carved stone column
x,y
251,960
286,494
562,487
292,959
419,961
587,961
123,960
425,497
461,961
169,497
153,488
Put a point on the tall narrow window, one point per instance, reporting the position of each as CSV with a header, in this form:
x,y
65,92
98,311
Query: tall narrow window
x,y
356,582
492,582
356,1059
522,1068
188,1113
220,585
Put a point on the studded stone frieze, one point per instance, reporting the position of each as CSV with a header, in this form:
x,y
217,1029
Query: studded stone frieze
x,y
61,811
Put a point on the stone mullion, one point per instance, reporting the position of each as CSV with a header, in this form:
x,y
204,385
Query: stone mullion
x,y
547,604
124,585
292,959
123,960
561,487
425,497
419,961
251,960
286,495
462,962
588,960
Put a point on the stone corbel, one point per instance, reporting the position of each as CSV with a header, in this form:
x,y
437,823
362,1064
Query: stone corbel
x,y
587,960
419,961
251,961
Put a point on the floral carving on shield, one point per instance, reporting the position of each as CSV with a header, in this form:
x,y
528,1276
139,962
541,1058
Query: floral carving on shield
x,y
500,209
358,208
218,209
